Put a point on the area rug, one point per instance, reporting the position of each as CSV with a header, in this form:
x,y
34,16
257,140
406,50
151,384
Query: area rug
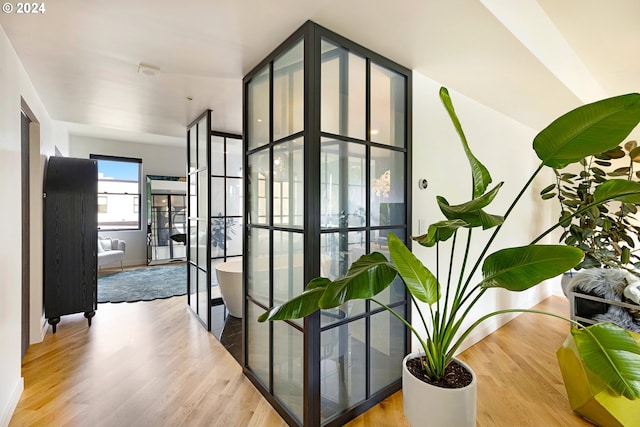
x,y
143,284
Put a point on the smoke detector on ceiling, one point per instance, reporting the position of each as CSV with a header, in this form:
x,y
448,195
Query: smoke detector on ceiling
x,y
148,70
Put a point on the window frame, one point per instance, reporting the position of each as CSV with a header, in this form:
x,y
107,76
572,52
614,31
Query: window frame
x,y
137,195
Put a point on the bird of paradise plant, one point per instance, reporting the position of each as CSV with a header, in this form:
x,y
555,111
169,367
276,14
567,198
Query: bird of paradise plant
x,y
609,351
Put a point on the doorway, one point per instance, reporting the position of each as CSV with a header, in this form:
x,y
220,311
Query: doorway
x,y
26,247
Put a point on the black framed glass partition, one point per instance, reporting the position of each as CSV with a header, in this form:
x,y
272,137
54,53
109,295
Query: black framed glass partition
x,y
327,145
215,204
199,218
227,200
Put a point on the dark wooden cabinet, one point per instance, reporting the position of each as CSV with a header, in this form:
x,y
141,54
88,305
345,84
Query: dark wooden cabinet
x,y
70,238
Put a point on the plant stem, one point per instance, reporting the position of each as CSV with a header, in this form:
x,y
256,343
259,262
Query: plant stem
x,y
512,310
498,228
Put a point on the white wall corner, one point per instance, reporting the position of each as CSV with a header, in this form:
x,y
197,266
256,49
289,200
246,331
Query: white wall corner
x,y
7,412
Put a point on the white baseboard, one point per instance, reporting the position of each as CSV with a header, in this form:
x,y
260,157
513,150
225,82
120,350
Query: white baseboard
x,y
44,328
7,413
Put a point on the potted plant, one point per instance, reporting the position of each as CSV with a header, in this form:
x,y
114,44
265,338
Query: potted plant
x,y
443,306
608,233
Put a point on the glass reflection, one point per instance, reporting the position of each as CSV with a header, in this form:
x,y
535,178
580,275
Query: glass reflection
x,y
342,367
288,367
386,349
387,106
259,188
288,92
387,187
257,275
217,155
288,184
258,110
257,355
343,92
342,184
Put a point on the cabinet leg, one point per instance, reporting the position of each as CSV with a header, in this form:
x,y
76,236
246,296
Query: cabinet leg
x,y
54,322
89,315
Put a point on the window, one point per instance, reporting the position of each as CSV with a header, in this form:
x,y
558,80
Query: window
x,y
102,204
118,192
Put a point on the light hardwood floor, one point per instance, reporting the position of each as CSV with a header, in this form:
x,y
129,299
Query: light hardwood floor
x,y
152,364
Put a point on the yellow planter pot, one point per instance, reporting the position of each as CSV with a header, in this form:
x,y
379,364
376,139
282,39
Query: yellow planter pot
x,y
589,396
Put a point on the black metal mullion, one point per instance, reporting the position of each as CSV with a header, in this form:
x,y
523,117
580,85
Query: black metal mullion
x,y
312,337
270,223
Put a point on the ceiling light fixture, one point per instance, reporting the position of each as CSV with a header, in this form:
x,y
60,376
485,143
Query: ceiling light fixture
x,y
148,70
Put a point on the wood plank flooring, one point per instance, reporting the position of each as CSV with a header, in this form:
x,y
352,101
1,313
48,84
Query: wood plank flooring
x,y
152,364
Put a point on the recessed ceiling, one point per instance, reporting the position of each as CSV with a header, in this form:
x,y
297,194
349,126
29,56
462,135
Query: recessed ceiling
x,y
529,60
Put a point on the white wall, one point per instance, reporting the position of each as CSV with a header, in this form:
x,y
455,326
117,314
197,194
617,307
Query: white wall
x,y
15,87
156,160
504,147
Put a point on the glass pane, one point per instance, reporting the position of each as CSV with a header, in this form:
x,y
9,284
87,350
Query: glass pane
x,y
234,157
217,197
387,348
396,291
193,240
288,367
203,296
119,212
342,184
218,236
387,187
215,293
387,106
288,181
202,244
217,155
259,188
257,276
193,147
342,367
193,195
234,197
258,109
337,252
203,195
234,236
343,92
288,93
193,287
203,141
288,265
257,344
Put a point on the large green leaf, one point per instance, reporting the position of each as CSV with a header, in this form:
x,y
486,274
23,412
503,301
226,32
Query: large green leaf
x,y
473,218
300,306
419,280
479,173
618,189
614,354
440,232
520,268
471,212
587,130
366,277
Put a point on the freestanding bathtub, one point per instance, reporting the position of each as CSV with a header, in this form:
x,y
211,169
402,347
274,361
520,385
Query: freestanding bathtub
x,y
229,276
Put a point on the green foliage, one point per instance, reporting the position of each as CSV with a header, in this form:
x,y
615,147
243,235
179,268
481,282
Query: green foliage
x,y
581,133
598,207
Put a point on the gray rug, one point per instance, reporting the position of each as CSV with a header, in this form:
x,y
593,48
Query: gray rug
x,y
144,284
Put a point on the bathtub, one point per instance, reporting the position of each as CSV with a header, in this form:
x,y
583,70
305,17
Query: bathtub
x,y
229,276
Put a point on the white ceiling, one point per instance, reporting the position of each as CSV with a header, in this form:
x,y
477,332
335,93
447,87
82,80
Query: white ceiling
x,y
531,60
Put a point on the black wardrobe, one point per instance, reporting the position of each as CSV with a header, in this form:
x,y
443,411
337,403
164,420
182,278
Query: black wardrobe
x,y
70,238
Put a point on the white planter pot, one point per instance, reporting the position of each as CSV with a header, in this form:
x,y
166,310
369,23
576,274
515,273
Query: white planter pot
x,y
430,406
